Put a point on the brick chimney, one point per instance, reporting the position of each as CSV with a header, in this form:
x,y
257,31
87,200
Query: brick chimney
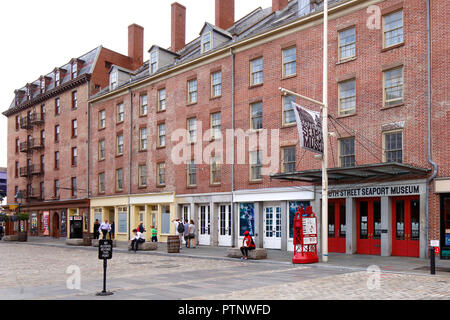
x,y
224,13
178,27
136,45
278,5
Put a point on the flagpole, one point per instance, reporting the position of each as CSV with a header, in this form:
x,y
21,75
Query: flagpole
x,y
325,136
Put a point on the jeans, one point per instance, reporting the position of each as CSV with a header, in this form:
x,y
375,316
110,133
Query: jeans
x,y
245,250
104,234
135,243
154,239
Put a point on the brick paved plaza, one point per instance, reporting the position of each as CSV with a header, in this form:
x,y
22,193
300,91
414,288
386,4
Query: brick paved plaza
x,y
37,271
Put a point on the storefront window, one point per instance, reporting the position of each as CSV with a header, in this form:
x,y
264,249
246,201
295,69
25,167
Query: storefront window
x,y
293,208
415,216
247,218
63,223
165,219
122,223
364,216
400,220
377,220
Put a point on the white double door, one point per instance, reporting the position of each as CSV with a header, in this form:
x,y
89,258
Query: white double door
x,y
272,227
225,225
204,225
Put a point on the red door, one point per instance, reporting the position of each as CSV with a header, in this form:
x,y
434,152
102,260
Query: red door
x,y
369,226
405,226
336,225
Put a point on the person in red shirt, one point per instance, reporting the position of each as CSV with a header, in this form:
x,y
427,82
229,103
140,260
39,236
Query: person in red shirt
x,y
247,244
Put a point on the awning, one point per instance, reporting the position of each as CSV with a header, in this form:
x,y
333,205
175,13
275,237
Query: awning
x,y
356,173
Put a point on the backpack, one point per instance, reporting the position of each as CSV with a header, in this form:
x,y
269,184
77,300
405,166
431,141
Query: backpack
x,y
180,227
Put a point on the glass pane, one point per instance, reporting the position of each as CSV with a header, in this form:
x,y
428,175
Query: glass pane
x,y
415,222
377,220
331,220
278,222
342,222
400,220
202,220
363,219
229,220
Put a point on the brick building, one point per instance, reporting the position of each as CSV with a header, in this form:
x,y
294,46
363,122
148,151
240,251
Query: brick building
x,y
48,139
160,144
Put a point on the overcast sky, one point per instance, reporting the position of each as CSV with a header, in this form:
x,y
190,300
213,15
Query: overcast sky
x,y
37,36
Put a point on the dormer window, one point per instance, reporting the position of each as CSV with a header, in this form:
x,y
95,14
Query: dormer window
x,y
206,42
42,85
57,78
74,70
113,80
154,61
28,93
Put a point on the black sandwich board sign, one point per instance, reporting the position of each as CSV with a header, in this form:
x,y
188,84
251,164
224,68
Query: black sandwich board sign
x,y
105,253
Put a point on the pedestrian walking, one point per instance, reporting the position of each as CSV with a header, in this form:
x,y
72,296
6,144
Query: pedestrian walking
x,y
192,234
179,230
111,233
154,234
186,233
96,229
138,238
104,228
247,244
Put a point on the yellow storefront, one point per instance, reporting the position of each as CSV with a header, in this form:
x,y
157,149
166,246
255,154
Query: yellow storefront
x,y
128,212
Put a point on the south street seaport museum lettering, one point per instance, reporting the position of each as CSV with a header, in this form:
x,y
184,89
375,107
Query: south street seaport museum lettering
x,y
375,191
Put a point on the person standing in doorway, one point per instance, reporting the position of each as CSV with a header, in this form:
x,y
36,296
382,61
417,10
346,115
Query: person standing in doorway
x,y
96,229
111,232
154,234
104,228
179,230
192,234
247,244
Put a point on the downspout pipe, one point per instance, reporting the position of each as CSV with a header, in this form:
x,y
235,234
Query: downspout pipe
x,y
233,62
430,160
130,91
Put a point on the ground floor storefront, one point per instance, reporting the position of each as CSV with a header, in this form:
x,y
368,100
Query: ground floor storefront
x,y
442,190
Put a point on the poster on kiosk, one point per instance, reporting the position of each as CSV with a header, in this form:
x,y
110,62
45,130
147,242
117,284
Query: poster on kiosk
x,y
305,237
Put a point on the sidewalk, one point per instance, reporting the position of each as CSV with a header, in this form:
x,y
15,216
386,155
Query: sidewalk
x,y
335,260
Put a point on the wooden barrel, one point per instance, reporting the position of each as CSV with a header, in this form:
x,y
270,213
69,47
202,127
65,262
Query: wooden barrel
x,y
173,244
23,236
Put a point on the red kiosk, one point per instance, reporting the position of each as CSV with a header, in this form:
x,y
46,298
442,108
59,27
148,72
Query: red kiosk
x,y
305,237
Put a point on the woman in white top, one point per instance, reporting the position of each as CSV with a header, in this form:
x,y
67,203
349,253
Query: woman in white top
x,y
191,233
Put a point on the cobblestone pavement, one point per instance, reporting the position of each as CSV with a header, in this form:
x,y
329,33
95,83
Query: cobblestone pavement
x,y
39,272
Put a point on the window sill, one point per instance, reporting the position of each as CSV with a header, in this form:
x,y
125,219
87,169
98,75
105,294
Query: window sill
x,y
289,77
289,125
160,185
120,122
215,185
119,191
216,97
142,187
394,46
143,115
119,155
255,85
100,129
256,181
160,147
143,151
346,115
161,111
345,60
191,187
191,103
101,160
393,106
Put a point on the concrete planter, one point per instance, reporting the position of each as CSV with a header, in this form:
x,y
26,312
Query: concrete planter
x,y
257,254
146,246
14,237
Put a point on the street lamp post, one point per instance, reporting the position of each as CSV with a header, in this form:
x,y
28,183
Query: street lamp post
x,y
19,199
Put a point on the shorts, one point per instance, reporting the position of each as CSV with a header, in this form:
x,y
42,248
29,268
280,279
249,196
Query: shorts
x,y
191,236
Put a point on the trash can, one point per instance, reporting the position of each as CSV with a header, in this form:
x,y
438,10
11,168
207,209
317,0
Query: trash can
x,y
173,244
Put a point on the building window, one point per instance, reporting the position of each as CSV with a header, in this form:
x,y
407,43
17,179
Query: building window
x,y
256,116
216,125
144,105
74,128
154,61
143,139
206,42
289,62
16,172
393,29
347,97
56,188
288,110
192,130
192,91
56,159
74,187
122,223
162,135
41,191
57,78
165,219
393,87
101,119
256,71
393,146
119,179
57,106
56,133
142,175
42,137
161,174
17,145
347,44
255,165
74,100
42,163
215,170
216,84
42,85
161,99
119,150
101,182
74,70
347,152
192,173
113,78
17,122
74,156
289,161
120,113
101,149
